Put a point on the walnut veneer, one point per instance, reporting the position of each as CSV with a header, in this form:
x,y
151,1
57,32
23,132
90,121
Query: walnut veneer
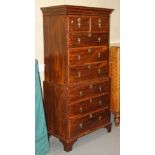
x,y
76,57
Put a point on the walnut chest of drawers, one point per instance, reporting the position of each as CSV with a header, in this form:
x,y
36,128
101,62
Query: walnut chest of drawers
x,y
76,57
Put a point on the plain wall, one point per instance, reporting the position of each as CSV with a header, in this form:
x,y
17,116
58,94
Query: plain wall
x,y
114,27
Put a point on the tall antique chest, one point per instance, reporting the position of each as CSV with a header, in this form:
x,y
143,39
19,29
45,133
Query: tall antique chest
x,y
76,57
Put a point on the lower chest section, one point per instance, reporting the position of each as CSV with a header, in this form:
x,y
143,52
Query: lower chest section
x,y
88,107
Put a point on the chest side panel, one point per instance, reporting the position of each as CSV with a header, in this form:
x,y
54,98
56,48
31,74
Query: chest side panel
x,y
55,42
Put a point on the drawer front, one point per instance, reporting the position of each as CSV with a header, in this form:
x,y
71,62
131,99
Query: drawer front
x,y
100,23
79,92
81,125
89,105
86,23
87,55
79,23
90,71
88,39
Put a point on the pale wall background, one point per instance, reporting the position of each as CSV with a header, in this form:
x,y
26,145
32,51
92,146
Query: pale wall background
x,y
114,27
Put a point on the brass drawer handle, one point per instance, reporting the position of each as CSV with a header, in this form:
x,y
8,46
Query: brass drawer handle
x,y
79,19
100,117
79,57
99,55
81,109
91,86
99,22
100,102
72,22
89,66
79,74
91,115
99,71
79,40
81,93
99,25
99,39
100,88
81,125
79,25
79,22
89,50
90,100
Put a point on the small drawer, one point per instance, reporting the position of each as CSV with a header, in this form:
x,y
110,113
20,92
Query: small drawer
x,y
79,23
89,105
100,23
81,125
88,39
78,92
87,55
90,71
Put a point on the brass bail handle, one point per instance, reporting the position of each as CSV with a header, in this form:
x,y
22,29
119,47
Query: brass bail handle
x,y
79,22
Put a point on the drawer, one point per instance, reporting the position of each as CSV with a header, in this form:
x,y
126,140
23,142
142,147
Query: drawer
x,y
79,23
89,105
87,55
80,92
90,71
88,39
100,23
80,126
86,23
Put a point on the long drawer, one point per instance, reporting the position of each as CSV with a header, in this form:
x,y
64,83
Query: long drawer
x,y
88,39
90,71
79,56
79,126
89,105
79,91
